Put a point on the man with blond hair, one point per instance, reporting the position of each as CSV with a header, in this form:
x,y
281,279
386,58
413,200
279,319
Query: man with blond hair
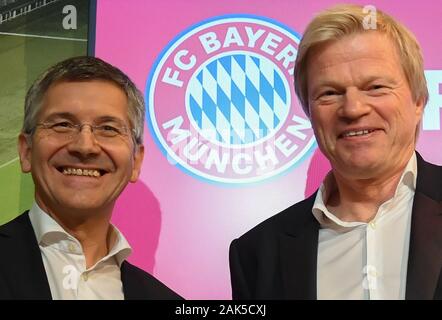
x,y
373,230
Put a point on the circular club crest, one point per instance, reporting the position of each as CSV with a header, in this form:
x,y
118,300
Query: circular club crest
x,y
221,103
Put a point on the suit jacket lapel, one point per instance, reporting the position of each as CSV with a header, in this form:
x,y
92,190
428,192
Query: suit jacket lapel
x,y
425,253
298,254
132,287
128,284
25,266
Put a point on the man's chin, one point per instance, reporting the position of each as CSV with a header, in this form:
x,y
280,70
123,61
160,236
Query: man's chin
x,y
363,169
82,206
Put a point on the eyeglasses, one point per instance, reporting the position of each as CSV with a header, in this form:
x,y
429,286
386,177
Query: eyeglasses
x,y
68,130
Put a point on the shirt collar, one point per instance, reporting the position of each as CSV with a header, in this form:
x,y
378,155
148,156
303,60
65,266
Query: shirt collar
x,y
49,232
326,219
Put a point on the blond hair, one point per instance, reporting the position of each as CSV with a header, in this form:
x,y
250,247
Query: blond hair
x,y
345,19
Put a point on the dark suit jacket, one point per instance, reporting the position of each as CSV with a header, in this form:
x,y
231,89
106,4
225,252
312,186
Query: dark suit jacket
x,y
278,258
23,276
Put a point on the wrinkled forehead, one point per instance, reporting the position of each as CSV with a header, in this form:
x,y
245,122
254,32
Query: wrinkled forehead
x,y
355,43
354,49
85,99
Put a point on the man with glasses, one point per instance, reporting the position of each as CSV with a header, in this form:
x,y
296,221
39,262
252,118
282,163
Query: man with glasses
x,y
82,141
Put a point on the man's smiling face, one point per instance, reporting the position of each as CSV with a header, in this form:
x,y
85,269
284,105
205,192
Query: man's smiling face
x,y
83,172
361,105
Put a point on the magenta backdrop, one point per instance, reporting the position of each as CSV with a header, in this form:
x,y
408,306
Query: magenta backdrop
x,y
180,227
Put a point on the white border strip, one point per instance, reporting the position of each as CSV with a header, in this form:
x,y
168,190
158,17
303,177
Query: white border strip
x,y
37,36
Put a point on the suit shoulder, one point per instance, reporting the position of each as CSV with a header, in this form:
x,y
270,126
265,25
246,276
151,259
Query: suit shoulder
x,y
287,220
429,179
19,223
147,283
434,168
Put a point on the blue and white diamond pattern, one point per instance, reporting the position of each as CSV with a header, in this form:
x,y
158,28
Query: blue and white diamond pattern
x,y
237,99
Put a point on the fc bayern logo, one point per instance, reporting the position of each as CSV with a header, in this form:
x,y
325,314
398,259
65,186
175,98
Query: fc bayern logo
x,y
221,104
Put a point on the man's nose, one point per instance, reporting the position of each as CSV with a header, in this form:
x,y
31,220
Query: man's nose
x,y
354,105
84,143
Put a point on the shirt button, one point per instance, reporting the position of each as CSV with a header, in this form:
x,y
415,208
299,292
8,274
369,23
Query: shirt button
x,y
85,277
373,273
71,248
372,225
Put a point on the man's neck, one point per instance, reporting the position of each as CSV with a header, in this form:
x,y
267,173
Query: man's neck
x,y
95,237
360,199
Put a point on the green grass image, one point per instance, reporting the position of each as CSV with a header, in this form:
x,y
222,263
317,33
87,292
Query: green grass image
x,y
22,58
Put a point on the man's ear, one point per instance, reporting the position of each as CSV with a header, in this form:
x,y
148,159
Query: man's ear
x,y
138,161
24,152
419,109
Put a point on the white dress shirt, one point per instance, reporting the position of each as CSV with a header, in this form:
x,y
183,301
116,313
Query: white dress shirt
x,y
65,263
358,260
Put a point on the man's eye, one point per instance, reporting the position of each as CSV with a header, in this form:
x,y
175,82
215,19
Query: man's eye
x,y
377,87
62,125
328,93
109,128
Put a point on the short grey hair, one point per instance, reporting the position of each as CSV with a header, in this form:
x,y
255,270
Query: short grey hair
x,y
84,68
